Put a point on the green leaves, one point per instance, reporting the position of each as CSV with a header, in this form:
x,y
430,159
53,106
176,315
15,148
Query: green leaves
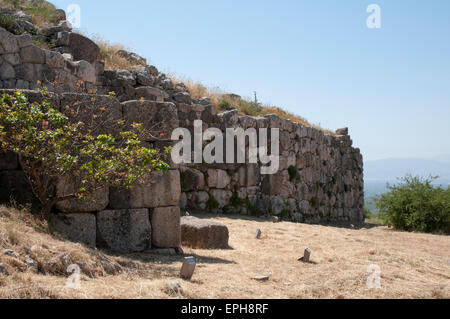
x,y
416,205
50,146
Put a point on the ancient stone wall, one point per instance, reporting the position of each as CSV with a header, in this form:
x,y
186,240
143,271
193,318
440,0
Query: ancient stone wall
x,y
145,217
320,176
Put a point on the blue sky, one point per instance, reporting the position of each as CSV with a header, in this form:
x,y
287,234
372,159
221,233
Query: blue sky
x,y
318,59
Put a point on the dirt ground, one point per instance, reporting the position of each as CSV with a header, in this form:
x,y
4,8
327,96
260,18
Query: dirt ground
x,y
343,260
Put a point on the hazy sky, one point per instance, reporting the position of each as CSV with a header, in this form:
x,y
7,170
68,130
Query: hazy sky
x,y
315,58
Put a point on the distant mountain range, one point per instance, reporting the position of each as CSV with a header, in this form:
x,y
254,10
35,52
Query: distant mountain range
x,y
380,172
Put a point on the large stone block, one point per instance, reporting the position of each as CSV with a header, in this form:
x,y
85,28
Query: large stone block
x,y
32,54
8,43
124,230
7,71
157,190
158,119
166,231
222,197
76,227
97,201
151,94
192,179
218,178
201,234
82,47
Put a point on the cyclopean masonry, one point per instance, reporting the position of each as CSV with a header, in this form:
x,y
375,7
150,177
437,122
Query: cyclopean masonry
x,y
319,176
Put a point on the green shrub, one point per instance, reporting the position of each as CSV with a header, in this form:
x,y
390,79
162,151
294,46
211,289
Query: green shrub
x,y
225,106
416,205
50,146
212,203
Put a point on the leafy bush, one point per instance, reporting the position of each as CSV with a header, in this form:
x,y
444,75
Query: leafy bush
x,y
416,205
225,106
51,147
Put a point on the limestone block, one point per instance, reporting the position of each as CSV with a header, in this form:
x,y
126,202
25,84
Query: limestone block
x,y
96,201
32,54
158,119
124,230
157,190
218,178
166,230
201,234
76,227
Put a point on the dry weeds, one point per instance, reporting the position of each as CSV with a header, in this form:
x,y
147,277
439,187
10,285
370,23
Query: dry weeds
x,y
412,265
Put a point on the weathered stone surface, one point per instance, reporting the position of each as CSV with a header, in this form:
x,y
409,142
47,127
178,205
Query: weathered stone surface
x,y
201,234
151,93
158,119
8,161
24,40
218,178
158,189
7,71
166,232
32,54
98,201
249,175
342,131
182,97
192,179
76,227
34,72
85,71
54,59
12,58
124,230
82,48
221,196
132,57
8,43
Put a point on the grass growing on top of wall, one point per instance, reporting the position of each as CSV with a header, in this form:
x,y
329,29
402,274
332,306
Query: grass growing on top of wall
x,y
43,13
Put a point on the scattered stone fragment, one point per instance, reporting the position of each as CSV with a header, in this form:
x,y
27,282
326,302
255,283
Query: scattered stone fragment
x,y
173,288
261,278
275,219
306,257
11,253
258,234
31,263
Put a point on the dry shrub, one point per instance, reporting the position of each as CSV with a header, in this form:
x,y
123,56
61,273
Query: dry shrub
x,y
108,54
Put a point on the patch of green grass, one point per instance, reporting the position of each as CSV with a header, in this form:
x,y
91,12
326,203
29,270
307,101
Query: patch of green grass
x,y
212,203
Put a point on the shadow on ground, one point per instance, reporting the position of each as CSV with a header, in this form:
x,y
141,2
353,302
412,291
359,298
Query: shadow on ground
x,y
340,224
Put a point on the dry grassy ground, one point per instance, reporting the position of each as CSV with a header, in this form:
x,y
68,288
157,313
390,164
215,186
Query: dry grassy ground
x,y
412,265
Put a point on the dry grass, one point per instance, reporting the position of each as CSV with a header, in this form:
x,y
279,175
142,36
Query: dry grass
x,y
412,265
244,105
43,13
108,54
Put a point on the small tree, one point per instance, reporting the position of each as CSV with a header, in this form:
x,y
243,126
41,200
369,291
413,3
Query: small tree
x,y
416,205
49,147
